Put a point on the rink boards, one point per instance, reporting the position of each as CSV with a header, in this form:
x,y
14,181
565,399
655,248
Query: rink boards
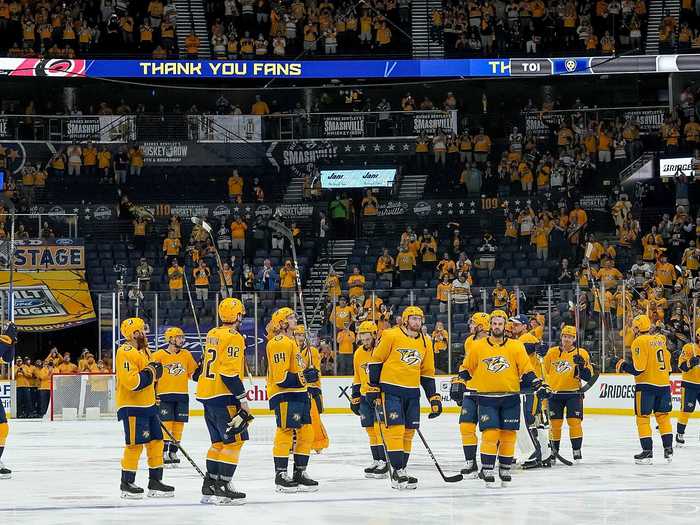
x,y
612,394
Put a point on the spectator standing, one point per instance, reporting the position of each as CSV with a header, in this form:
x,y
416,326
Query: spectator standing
x,y
175,280
238,233
75,160
135,160
144,271
201,276
121,164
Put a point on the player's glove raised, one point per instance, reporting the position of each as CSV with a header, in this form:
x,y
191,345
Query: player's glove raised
x,y
311,375
435,406
355,405
457,389
624,367
157,370
11,332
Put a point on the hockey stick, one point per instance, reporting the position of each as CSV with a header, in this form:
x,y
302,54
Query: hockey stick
x,y
448,479
194,313
287,233
207,228
386,449
184,452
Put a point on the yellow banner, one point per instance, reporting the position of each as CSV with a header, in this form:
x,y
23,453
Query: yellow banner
x,y
51,300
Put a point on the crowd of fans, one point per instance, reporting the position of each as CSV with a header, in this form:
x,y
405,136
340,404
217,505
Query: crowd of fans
x,y
86,29
540,28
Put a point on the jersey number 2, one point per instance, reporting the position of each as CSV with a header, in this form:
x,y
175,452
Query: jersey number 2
x,y
211,357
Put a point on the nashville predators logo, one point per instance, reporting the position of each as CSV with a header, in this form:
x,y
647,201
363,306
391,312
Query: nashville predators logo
x,y
296,417
175,369
484,418
496,364
365,368
163,411
409,356
145,434
562,366
393,416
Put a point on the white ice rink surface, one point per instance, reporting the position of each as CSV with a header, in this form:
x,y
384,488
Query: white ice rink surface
x,y
68,472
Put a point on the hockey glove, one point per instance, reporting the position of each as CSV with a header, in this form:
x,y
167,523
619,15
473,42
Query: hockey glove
x,y
694,361
624,367
543,391
457,389
435,406
372,395
311,375
157,370
355,405
11,332
579,360
239,422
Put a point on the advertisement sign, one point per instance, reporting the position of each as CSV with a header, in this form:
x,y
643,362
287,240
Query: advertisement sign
x,y
648,120
670,168
434,120
358,178
343,126
104,128
5,128
51,300
6,395
59,254
164,152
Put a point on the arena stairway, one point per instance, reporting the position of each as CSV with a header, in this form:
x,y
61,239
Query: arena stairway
x,y
192,17
412,185
315,292
423,45
657,10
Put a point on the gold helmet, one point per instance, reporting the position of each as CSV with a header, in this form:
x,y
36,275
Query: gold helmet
x,y
279,316
480,320
300,330
367,327
409,311
642,323
569,330
131,325
498,313
173,332
230,309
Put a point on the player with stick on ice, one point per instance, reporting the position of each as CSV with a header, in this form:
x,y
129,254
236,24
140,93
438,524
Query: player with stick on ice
x,y
402,363
7,347
136,409
689,364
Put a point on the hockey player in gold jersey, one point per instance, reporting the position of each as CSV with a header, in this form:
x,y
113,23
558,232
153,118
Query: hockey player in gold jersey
x,y
650,366
7,347
367,333
402,363
288,374
565,367
172,390
220,389
497,367
469,413
689,364
311,353
137,374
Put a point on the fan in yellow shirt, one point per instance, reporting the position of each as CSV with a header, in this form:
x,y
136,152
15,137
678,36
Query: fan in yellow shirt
x,y
287,377
220,389
172,390
311,352
651,368
402,363
136,409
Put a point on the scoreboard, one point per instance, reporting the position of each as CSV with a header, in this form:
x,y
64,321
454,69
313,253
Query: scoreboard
x,y
350,69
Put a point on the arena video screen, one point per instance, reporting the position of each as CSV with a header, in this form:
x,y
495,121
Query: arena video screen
x,y
358,178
